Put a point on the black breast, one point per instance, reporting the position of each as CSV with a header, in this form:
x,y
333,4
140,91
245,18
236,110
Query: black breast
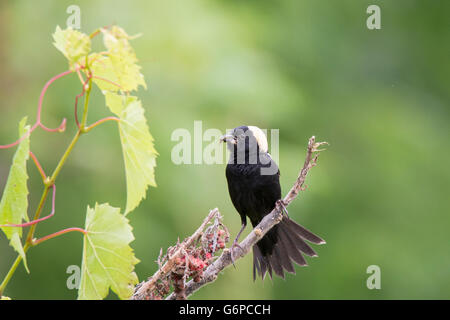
x,y
252,192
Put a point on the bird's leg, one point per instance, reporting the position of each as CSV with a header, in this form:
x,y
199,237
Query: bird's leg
x,y
282,207
235,242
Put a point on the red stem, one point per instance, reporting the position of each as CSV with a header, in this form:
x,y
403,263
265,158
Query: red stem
x,y
102,121
106,80
98,31
27,224
44,90
26,135
95,34
56,234
61,127
79,75
38,165
38,123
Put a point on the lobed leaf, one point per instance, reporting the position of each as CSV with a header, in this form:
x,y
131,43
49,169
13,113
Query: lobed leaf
x,y
14,202
102,67
73,44
115,102
108,260
118,64
137,145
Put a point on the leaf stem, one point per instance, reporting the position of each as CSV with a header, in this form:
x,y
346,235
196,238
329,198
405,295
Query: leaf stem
x,y
27,224
96,32
109,81
80,76
56,234
92,126
38,166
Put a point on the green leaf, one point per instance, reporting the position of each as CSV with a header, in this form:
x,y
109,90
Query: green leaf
x,y
108,260
14,203
102,67
118,64
114,71
73,44
137,145
115,102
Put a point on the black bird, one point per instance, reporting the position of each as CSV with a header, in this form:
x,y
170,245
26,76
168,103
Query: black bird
x,y
254,187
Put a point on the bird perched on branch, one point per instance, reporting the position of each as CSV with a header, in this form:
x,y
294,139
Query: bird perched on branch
x,y
254,186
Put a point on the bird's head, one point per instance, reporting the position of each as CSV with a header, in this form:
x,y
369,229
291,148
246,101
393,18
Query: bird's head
x,y
246,140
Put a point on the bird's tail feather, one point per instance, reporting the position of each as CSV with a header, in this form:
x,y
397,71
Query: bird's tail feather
x,y
282,245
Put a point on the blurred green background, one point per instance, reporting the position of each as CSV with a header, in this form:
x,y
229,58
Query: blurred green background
x,y
379,196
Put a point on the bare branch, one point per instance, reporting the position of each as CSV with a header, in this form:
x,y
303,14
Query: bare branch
x,y
211,273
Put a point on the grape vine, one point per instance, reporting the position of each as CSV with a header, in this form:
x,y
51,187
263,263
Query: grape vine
x,y
107,260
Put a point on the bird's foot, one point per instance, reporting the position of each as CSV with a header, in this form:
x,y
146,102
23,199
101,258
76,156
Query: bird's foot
x,y
281,206
233,247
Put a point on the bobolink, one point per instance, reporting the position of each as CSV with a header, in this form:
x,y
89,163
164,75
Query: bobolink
x,y
254,186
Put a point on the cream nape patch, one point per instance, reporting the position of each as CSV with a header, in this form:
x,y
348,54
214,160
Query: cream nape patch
x,y
260,137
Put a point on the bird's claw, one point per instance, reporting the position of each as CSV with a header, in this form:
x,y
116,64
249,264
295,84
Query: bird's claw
x,y
281,206
235,245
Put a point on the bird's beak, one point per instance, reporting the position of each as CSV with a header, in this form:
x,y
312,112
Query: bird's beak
x,y
228,138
